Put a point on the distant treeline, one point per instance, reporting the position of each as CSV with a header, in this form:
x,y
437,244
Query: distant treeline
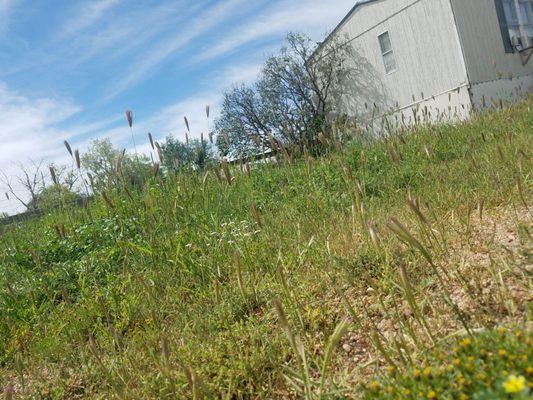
x,y
31,214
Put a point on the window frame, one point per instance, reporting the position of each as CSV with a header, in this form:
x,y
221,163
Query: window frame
x,y
504,25
391,51
529,25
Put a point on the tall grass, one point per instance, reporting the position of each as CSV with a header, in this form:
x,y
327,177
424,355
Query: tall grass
x,y
295,279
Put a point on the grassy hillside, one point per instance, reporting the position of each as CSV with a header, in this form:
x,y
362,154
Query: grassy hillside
x,y
396,268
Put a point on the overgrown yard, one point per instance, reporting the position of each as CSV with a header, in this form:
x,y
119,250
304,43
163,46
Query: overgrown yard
x,y
392,268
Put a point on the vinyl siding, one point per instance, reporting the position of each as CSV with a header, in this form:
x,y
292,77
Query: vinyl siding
x,y
425,44
482,42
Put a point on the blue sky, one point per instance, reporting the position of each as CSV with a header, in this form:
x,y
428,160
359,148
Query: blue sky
x,y
70,68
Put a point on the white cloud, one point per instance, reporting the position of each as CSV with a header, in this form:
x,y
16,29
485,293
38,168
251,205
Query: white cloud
x,y
122,32
6,8
113,30
202,24
169,120
242,73
25,119
32,130
36,128
312,17
104,29
89,14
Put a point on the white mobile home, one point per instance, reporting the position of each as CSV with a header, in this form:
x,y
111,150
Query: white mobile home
x,y
437,57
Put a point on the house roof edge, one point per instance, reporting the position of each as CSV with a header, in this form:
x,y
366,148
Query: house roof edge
x,y
340,24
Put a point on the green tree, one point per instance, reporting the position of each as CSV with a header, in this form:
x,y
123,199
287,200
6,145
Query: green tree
x,y
197,154
107,166
296,93
54,197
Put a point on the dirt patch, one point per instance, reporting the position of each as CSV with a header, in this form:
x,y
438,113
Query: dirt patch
x,y
489,281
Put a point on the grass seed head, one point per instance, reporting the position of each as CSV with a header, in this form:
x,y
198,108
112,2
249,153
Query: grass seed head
x,y
227,172
77,158
218,296
107,200
129,118
53,175
165,349
160,153
256,215
155,169
373,233
69,149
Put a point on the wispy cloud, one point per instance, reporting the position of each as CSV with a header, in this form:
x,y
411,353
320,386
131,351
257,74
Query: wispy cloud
x,y
113,33
6,7
308,16
123,29
27,128
95,47
203,23
169,119
34,128
88,14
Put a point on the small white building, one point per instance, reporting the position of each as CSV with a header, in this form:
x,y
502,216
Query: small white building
x,y
442,58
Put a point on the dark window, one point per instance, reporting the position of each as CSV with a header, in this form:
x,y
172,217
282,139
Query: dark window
x,y
516,23
387,53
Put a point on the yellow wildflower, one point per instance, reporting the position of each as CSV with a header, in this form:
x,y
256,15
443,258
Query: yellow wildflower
x,y
427,371
416,373
529,370
514,384
465,342
502,353
432,395
463,396
374,385
502,330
